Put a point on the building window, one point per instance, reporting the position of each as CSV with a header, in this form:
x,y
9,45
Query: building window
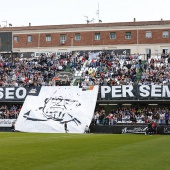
x,y
148,34
112,35
128,35
48,38
16,39
97,36
165,34
62,39
29,38
77,37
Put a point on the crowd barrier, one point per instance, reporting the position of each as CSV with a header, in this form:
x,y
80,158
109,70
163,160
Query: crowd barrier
x,y
126,129
115,129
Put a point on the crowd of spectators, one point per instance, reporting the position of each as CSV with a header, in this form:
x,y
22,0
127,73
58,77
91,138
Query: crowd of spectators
x,y
156,70
98,68
10,112
104,68
31,71
131,115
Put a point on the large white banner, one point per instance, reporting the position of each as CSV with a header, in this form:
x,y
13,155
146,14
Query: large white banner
x,y
56,105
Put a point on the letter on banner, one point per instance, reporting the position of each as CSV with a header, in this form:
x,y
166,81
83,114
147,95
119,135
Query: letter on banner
x,y
156,91
104,90
127,89
24,92
1,93
9,93
165,90
116,90
144,89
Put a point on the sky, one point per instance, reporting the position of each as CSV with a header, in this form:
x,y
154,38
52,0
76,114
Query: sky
x,y
61,12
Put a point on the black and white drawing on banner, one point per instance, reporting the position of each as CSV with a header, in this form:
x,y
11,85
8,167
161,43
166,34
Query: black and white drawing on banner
x,y
56,108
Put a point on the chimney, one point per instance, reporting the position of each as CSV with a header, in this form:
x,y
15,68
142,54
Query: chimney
x,y
134,19
29,24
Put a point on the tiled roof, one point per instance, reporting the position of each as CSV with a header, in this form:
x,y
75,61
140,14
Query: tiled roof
x,y
67,26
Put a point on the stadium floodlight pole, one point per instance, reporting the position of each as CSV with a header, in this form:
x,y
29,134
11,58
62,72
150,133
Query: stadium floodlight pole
x,y
5,22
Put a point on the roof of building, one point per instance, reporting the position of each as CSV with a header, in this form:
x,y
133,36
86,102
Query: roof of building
x,y
67,26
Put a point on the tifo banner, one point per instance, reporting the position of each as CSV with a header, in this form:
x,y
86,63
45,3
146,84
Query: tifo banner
x,y
135,92
119,92
93,56
17,93
55,106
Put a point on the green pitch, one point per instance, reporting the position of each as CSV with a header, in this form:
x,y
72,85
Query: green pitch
x,y
32,151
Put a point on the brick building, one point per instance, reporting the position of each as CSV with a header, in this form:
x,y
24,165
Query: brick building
x,y
139,37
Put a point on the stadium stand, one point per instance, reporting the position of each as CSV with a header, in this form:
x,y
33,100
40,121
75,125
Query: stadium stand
x,y
101,69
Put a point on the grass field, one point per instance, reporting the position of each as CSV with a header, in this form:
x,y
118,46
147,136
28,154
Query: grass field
x,y
32,151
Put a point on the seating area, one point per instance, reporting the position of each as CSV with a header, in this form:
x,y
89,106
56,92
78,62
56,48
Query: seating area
x,y
106,69
30,71
101,69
